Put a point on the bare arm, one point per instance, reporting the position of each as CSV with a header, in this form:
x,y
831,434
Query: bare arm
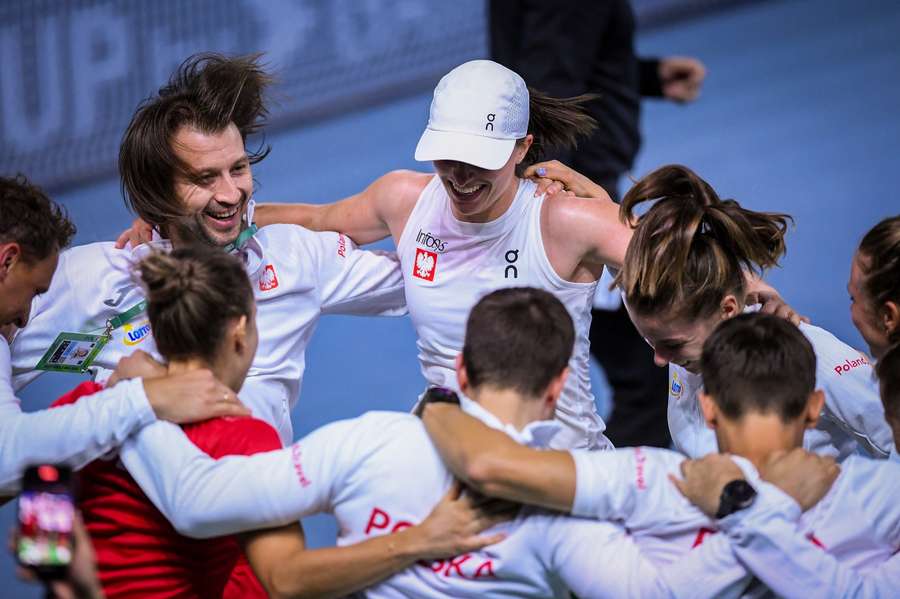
x,y
287,569
376,212
495,465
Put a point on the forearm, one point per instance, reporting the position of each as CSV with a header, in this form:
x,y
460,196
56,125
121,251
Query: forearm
x,y
73,434
767,542
203,497
305,215
495,465
339,571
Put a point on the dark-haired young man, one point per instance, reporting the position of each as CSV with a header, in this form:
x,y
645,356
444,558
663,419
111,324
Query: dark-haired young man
x,y
379,474
33,231
759,374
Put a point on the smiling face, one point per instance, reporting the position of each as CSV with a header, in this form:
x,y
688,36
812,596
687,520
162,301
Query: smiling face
x,y
217,187
680,340
479,195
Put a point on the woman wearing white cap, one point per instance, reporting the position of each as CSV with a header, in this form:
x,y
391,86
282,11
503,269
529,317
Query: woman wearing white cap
x,y
475,226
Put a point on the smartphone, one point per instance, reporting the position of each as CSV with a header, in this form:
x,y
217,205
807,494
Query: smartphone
x,y
46,518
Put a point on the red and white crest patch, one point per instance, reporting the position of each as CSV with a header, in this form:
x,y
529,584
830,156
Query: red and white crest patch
x,y
268,280
425,264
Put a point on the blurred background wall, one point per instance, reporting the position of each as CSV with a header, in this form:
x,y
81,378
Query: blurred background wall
x,y
799,113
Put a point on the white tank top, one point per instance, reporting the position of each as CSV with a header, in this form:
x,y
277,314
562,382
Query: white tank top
x,y
448,265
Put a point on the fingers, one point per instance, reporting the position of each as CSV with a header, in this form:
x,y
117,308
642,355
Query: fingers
x,y
679,484
123,239
480,542
454,491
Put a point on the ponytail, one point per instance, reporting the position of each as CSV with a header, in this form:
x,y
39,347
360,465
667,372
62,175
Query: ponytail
x,y
191,294
555,123
693,248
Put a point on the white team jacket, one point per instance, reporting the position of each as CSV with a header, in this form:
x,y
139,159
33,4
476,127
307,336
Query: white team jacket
x,y
297,275
380,473
844,546
75,434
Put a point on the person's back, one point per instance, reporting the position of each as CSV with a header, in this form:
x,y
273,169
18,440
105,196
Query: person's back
x,y
387,475
138,551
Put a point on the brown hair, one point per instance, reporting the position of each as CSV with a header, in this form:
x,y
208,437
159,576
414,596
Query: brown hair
x,y
28,217
692,248
192,293
881,249
758,363
888,370
208,92
555,123
517,338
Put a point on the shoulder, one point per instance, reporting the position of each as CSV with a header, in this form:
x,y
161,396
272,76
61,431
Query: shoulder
x,y
870,483
403,183
579,215
220,437
84,389
834,358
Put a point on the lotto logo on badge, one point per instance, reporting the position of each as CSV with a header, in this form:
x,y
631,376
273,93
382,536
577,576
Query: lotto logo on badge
x,y
425,265
676,389
134,334
268,280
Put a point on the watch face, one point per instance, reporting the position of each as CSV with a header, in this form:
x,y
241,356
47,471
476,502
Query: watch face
x,y
441,395
736,495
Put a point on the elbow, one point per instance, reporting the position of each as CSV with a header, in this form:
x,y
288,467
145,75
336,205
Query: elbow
x,y
485,474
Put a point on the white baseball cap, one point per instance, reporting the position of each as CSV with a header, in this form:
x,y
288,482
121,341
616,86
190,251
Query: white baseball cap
x,y
479,110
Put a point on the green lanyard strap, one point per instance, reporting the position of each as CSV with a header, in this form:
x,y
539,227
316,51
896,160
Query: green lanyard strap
x,y
116,321
242,239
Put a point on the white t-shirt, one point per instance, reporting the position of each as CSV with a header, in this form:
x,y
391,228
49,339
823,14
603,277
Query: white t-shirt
x,y
74,435
857,523
297,275
380,473
852,418
448,265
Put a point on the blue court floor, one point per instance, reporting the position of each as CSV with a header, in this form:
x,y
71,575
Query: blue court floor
x,y
799,114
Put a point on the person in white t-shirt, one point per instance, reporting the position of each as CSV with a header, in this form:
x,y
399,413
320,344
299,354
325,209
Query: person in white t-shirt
x,y
379,474
186,170
33,231
759,399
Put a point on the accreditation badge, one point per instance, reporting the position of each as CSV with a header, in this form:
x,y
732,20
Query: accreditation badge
x,y
72,352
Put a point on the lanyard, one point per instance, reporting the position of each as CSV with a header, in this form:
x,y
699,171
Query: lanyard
x,y
125,317
242,239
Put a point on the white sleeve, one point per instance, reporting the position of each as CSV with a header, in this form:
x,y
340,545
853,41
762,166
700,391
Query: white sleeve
x,y
851,396
358,282
632,486
51,313
767,542
600,560
203,497
73,434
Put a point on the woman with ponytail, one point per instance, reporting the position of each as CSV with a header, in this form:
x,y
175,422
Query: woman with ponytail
x,y
203,316
686,270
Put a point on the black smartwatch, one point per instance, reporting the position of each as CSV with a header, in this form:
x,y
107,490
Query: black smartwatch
x,y
736,495
436,395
